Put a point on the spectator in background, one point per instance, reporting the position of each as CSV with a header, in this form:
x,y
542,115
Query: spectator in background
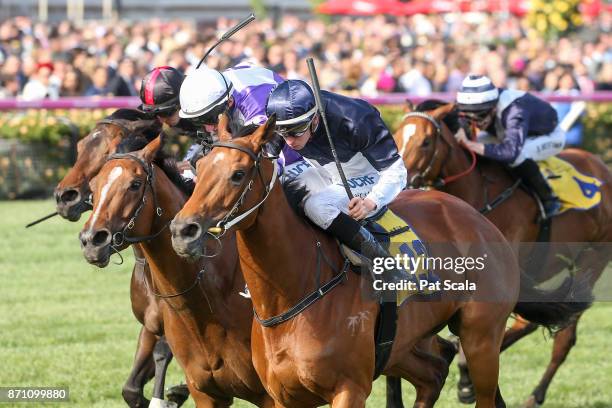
x,y
122,84
99,86
570,111
72,85
42,84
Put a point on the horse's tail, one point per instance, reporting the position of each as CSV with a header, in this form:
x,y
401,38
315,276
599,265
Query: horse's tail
x,y
556,308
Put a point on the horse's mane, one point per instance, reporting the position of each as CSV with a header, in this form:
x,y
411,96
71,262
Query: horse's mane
x,y
137,121
451,119
164,161
295,193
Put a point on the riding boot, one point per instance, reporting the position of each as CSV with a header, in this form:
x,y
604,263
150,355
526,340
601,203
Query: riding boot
x,y
530,173
359,239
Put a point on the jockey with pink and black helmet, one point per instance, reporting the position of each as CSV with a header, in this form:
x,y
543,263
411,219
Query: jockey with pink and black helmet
x,y
159,93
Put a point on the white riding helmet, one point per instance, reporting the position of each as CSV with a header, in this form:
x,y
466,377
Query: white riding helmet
x,y
202,90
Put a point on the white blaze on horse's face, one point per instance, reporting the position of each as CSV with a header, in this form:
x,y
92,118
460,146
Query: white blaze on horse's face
x,y
218,158
409,131
114,175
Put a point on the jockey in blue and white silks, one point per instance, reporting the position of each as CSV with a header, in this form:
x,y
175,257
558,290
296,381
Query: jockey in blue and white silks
x,y
374,170
525,126
242,91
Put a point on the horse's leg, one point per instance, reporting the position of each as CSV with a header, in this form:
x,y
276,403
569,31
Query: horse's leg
x,y
394,392
465,388
519,329
205,401
481,334
426,368
564,341
349,395
162,357
142,371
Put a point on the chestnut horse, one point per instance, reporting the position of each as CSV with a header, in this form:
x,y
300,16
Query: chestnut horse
x,y
314,355
434,158
205,321
72,197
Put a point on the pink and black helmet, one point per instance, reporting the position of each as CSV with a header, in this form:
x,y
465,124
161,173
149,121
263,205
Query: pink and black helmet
x,y
159,91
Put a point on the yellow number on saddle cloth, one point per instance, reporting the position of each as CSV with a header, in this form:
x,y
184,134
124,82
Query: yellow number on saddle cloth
x,y
574,189
407,242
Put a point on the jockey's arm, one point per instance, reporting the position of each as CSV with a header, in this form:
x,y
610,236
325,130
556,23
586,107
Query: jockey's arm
x,y
372,138
516,122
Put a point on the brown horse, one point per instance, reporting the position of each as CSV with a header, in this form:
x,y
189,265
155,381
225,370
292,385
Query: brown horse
x,y
206,323
72,195
434,158
304,361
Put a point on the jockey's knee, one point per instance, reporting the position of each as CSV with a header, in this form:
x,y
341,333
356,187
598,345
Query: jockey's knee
x,y
321,209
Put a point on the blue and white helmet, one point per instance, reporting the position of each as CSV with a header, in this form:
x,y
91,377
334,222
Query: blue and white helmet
x,y
293,103
477,94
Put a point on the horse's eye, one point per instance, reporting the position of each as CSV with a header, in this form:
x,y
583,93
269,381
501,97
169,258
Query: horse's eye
x,y
237,177
426,143
135,185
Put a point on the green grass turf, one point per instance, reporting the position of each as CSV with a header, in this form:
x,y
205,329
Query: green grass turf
x,y
64,322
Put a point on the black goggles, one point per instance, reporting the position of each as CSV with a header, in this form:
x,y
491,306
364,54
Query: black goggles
x,y
294,131
166,113
475,116
209,118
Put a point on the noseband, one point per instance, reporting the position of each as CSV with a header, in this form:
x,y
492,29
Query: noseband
x,y
230,219
120,237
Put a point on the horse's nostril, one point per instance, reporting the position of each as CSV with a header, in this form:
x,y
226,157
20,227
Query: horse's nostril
x,y
69,196
190,231
100,238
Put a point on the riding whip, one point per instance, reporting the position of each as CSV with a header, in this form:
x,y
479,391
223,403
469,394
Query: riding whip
x,y
46,217
317,94
227,35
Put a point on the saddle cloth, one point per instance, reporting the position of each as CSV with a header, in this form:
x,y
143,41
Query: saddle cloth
x,y
401,239
575,190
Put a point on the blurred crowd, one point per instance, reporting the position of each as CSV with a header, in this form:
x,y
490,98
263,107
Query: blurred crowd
x,y
418,55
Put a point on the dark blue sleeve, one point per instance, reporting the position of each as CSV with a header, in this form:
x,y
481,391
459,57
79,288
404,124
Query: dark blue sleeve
x,y
370,136
515,121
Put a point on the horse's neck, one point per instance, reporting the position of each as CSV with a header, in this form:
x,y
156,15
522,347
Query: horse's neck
x,y
170,273
469,188
278,255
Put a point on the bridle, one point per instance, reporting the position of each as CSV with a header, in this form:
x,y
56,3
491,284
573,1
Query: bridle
x,y
419,179
231,219
120,237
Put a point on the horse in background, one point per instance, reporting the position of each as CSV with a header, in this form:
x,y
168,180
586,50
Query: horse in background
x,y
435,159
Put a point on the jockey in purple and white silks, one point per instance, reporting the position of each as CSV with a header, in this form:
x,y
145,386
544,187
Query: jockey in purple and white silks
x,y
242,91
374,170
525,126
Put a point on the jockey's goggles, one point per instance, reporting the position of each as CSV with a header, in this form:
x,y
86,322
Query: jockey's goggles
x,y
209,118
294,131
166,113
475,116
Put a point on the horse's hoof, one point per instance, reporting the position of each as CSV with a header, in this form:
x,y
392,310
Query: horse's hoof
x,y
531,403
178,394
465,394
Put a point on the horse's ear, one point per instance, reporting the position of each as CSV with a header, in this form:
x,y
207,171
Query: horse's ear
x,y
443,110
222,132
149,152
265,132
409,107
